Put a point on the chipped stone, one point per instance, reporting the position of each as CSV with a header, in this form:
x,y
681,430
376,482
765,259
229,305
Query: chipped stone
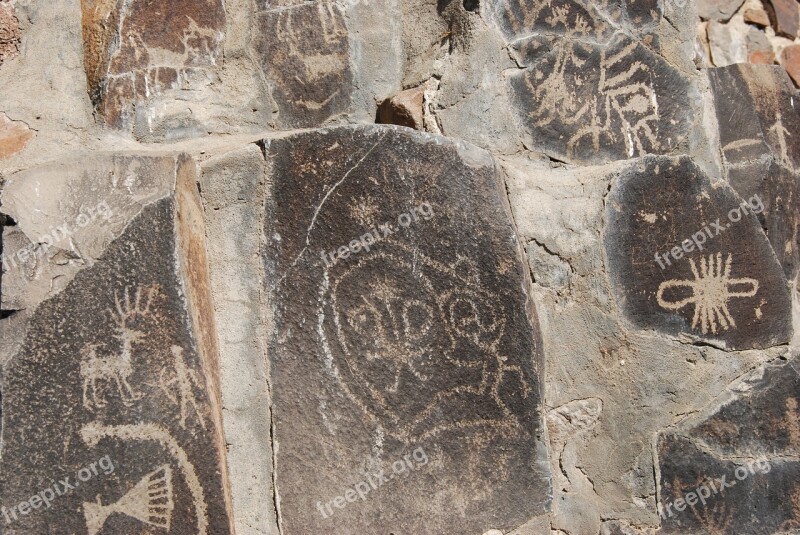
x,y
784,15
721,10
10,33
790,59
14,136
404,109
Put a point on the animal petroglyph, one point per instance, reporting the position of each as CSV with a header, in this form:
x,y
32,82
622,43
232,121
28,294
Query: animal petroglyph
x,y
150,502
94,432
400,332
711,290
183,383
116,369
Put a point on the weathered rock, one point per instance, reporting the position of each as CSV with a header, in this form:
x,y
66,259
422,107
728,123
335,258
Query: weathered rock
x,y
405,340
721,10
587,103
759,48
756,16
304,51
784,15
10,33
111,412
14,136
752,441
761,152
404,109
790,59
144,48
688,257
728,44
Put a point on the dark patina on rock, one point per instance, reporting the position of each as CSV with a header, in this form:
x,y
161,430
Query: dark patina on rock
x,y
141,48
585,102
304,51
680,263
111,412
753,440
760,144
404,333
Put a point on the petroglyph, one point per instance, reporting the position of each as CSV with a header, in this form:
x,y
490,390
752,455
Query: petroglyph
x,y
304,52
93,433
711,290
149,501
589,102
116,368
184,380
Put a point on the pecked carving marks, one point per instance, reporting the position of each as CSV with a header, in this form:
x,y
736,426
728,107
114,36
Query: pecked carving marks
x,y
419,340
304,52
686,257
589,103
138,49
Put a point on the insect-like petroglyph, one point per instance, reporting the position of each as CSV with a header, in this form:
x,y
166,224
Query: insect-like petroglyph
x,y
116,369
94,432
183,382
711,290
150,502
410,338
623,110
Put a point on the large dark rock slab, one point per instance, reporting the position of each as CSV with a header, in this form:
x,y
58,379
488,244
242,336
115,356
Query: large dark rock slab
x,y
585,102
138,49
759,124
406,343
752,441
304,51
111,412
689,257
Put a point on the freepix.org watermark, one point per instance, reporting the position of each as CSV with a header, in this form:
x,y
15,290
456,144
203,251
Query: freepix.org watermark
x,y
699,238
57,235
378,233
59,488
712,487
374,481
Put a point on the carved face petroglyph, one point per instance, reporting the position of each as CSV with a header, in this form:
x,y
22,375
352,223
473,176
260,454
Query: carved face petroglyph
x,y
394,322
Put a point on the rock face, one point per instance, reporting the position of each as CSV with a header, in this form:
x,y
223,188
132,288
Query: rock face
x,y
136,50
417,347
741,460
277,267
115,380
761,151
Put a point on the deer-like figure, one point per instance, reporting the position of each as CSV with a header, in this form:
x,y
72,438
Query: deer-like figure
x,y
116,368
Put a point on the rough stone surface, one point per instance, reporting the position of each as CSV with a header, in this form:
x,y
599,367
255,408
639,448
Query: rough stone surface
x,y
758,122
718,9
10,33
784,16
681,264
14,136
790,59
752,440
756,16
404,347
405,109
138,49
115,382
759,48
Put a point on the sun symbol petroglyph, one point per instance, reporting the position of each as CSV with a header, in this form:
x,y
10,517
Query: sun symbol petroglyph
x,y
118,368
149,501
411,339
711,290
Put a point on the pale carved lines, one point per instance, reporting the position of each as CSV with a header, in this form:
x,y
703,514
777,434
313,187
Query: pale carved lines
x,y
400,343
184,381
116,368
149,501
93,432
711,290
